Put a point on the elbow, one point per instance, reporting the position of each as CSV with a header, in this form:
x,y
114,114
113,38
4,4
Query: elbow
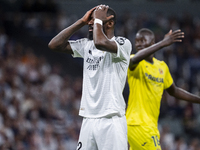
x,y
172,92
53,46
98,45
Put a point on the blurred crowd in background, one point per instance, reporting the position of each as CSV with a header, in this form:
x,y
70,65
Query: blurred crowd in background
x,y
39,100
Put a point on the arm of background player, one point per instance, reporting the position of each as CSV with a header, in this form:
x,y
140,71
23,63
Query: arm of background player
x,y
169,38
181,94
101,41
60,42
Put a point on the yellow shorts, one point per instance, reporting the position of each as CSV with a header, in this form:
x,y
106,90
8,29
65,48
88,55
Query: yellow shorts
x,y
143,138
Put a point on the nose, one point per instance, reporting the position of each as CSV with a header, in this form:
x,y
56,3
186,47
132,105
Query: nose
x,y
137,44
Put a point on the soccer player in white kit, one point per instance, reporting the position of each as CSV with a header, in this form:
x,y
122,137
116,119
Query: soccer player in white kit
x,y
106,60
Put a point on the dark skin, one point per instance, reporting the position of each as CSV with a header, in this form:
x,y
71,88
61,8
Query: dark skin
x,y
145,47
101,34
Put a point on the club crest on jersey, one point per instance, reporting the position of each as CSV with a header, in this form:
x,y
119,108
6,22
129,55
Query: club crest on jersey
x,y
120,40
161,71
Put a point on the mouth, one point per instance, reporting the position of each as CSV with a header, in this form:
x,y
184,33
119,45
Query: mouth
x,y
90,28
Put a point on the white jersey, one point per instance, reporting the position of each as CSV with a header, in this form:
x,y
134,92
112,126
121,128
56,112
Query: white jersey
x,y
104,77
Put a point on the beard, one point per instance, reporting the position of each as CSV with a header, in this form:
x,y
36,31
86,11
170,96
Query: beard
x,y
90,35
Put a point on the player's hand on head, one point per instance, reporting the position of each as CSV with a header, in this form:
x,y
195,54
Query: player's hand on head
x,y
101,13
173,36
87,17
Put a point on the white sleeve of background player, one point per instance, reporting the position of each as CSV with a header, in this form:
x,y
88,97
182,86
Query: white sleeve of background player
x,y
124,48
78,47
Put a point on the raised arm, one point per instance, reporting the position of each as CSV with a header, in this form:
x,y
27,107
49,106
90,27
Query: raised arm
x,y
104,31
60,42
169,39
181,94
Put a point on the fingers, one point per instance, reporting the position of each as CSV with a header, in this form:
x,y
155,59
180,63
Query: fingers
x,y
110,17
170,31
177,35
177,40
101,13
177,31
102,7
93,8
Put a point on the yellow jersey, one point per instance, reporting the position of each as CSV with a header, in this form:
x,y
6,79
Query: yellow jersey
x,y
146,85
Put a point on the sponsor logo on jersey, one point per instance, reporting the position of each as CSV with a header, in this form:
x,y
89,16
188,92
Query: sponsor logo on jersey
x,y
152,78
94,63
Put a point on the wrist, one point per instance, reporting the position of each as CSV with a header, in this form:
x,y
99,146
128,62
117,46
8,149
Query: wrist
x,y
99,21
162,44
82,22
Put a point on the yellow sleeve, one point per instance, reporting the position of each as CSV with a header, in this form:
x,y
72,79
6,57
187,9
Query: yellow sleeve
x,y
168,78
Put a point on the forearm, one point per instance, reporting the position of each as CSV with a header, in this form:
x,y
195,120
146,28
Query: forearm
x,y
142,54
101,41
98,36
184,95
60,41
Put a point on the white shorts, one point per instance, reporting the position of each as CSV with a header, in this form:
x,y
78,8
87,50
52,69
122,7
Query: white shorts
x,y
109,133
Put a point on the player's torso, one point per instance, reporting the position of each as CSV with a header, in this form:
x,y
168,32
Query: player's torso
x,y
152,76
93,58
102,83
146,85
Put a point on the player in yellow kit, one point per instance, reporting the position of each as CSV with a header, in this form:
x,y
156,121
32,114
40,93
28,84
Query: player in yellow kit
x,y
147,79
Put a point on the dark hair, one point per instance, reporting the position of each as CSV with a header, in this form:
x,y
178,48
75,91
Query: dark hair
x,y
112,12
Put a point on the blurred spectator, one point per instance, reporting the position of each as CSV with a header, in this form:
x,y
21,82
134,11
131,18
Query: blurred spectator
x,y
166,138
39,6
180,143
190,123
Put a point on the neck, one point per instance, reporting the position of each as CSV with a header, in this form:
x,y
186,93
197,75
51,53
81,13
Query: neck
x,y
109,34
149,59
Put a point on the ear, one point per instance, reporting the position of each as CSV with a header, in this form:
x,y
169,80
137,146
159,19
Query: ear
x,y
110,23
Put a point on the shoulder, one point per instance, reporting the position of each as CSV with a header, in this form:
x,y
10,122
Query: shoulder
x,y
161,63
82,40
122,40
